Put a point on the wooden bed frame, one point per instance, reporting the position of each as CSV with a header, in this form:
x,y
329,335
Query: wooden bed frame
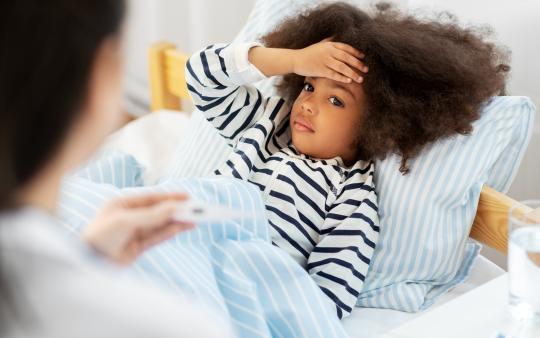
x,y
168,89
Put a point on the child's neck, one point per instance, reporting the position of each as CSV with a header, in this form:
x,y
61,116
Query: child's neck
x,y
346,162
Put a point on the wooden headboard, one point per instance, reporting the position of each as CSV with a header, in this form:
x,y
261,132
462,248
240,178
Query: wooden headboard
x,y
168,88
490,225
167,76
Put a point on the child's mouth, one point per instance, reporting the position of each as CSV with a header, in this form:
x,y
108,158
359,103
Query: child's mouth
x,y
303,126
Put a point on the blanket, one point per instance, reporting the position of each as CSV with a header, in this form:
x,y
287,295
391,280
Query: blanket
x,y
230,265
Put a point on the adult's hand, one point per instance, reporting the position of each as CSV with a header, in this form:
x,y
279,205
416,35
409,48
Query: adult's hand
x,y
126,227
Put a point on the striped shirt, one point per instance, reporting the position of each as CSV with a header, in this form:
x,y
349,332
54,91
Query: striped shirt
x,y
321,212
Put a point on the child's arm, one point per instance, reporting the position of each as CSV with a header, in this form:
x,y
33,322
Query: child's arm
x,y
340,261
218,78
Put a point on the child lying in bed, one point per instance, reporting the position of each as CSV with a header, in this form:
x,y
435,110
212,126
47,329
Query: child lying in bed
x,y
311,150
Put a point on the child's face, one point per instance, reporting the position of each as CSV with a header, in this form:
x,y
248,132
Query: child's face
x,y
326,119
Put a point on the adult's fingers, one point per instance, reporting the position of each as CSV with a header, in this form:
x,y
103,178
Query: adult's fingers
x,y
149,199
151,217
162,234
142,240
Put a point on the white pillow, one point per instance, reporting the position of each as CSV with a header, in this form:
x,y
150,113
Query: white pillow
x,y
151,140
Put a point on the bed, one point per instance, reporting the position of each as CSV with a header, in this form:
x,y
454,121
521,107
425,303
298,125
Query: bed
x,y
151,139
168,89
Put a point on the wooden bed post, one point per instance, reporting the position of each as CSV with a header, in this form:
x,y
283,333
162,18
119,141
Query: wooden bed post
x,y
491,222
162,95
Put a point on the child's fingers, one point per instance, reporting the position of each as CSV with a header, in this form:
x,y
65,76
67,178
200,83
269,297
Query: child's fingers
x,y
351,61
346,71
337,76
349,49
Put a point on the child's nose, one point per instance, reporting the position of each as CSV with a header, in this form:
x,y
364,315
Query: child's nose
x,y
308,107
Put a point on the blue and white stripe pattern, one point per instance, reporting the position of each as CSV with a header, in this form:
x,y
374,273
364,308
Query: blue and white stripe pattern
x,y
430,249
113,167
230,265
321,212
426,216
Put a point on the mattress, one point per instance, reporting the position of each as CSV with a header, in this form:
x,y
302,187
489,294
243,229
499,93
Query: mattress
x,y
152,140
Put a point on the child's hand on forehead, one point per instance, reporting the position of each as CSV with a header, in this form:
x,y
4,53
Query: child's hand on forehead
x,y
333,60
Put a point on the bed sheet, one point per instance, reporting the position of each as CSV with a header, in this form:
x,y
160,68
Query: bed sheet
x,y
369,323
152,140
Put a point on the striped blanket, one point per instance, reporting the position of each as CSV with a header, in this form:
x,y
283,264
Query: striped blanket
x,y
229,265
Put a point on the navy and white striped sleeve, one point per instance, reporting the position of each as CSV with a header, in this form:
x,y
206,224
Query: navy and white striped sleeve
x,y
340,261
218,79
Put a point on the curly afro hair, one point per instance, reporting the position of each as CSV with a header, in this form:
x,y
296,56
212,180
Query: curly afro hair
x,y
427,79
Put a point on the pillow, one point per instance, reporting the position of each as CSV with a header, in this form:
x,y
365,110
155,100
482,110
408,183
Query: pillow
x,y
423,250
188,160
426,215
151,149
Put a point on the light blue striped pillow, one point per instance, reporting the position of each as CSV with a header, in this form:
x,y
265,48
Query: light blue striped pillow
x,y
426,216
423,249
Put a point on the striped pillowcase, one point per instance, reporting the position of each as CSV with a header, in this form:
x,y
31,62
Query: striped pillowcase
x,y
426,215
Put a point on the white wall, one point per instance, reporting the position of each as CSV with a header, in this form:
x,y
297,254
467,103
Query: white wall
x,y
191,24
195,23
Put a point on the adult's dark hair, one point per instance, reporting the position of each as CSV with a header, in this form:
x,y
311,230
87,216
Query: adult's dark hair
x,y
47,50
427,79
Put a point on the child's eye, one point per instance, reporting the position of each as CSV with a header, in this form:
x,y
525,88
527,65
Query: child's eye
x,y
308,87
336,102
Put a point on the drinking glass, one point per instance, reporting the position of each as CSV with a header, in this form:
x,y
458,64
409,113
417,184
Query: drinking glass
x,y
524,263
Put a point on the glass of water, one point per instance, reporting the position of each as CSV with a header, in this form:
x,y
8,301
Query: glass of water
x,y
524,261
